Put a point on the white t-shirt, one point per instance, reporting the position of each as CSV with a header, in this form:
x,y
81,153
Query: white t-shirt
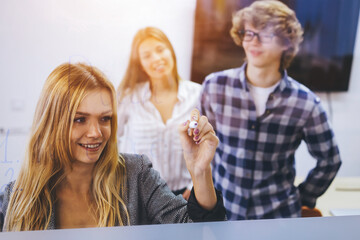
x,y
142,131
261,96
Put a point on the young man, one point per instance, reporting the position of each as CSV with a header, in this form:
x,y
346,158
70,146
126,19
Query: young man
x,y
261,115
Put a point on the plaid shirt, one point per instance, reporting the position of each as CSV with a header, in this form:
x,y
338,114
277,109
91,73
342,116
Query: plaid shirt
x,y
254,164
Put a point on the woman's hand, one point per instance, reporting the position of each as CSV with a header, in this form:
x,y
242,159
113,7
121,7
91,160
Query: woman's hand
x,y
199,146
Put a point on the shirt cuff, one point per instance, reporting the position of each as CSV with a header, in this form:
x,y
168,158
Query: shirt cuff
x,y
307,201
198,214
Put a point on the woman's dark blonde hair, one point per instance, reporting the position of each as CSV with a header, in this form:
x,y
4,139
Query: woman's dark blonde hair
x,y
135,73
275,16
49,153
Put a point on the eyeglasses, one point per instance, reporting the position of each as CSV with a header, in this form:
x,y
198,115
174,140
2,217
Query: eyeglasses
x,y
247,36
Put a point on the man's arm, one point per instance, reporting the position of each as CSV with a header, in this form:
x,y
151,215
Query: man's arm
x,y
321,144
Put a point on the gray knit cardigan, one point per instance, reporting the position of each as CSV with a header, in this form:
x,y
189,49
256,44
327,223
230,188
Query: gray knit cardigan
x,y
148,199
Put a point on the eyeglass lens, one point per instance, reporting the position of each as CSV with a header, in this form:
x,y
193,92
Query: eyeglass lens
x,y
248,36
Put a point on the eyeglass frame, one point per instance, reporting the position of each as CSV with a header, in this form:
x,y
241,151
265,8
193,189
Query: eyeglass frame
x,y
258,35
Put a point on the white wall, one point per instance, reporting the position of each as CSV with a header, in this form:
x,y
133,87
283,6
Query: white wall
x,y
38,35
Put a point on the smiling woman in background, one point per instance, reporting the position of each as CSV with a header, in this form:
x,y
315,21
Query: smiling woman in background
x,y
73,177
153,100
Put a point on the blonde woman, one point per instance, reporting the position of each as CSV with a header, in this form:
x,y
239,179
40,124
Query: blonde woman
x,y
73,176
153,100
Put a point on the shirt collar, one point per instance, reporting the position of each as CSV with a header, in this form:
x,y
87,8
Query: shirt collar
x,y
284,82
144,92
243,77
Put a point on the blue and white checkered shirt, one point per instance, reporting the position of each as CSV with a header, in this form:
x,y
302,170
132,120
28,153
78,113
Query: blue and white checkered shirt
x,y
254,165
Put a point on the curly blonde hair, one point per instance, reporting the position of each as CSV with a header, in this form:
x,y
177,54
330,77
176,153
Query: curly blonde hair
x,y
277,17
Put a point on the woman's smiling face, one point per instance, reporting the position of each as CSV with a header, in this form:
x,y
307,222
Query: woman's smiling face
x,y
92,126
156,59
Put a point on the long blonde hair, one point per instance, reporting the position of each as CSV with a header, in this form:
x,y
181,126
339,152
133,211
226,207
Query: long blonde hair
x,y
135,73
48,154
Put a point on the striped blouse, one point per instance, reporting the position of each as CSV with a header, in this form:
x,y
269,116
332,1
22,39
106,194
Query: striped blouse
x,y
142,131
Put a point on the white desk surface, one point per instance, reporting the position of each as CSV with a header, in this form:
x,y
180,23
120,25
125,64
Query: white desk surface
x,y
329,228
343,194
338,196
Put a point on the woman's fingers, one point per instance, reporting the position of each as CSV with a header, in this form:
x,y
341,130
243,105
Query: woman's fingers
x,y
194,119
198,128
183,129
209,136
204,128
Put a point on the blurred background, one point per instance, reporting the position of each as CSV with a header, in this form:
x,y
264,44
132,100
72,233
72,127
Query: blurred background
x,y
38,35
